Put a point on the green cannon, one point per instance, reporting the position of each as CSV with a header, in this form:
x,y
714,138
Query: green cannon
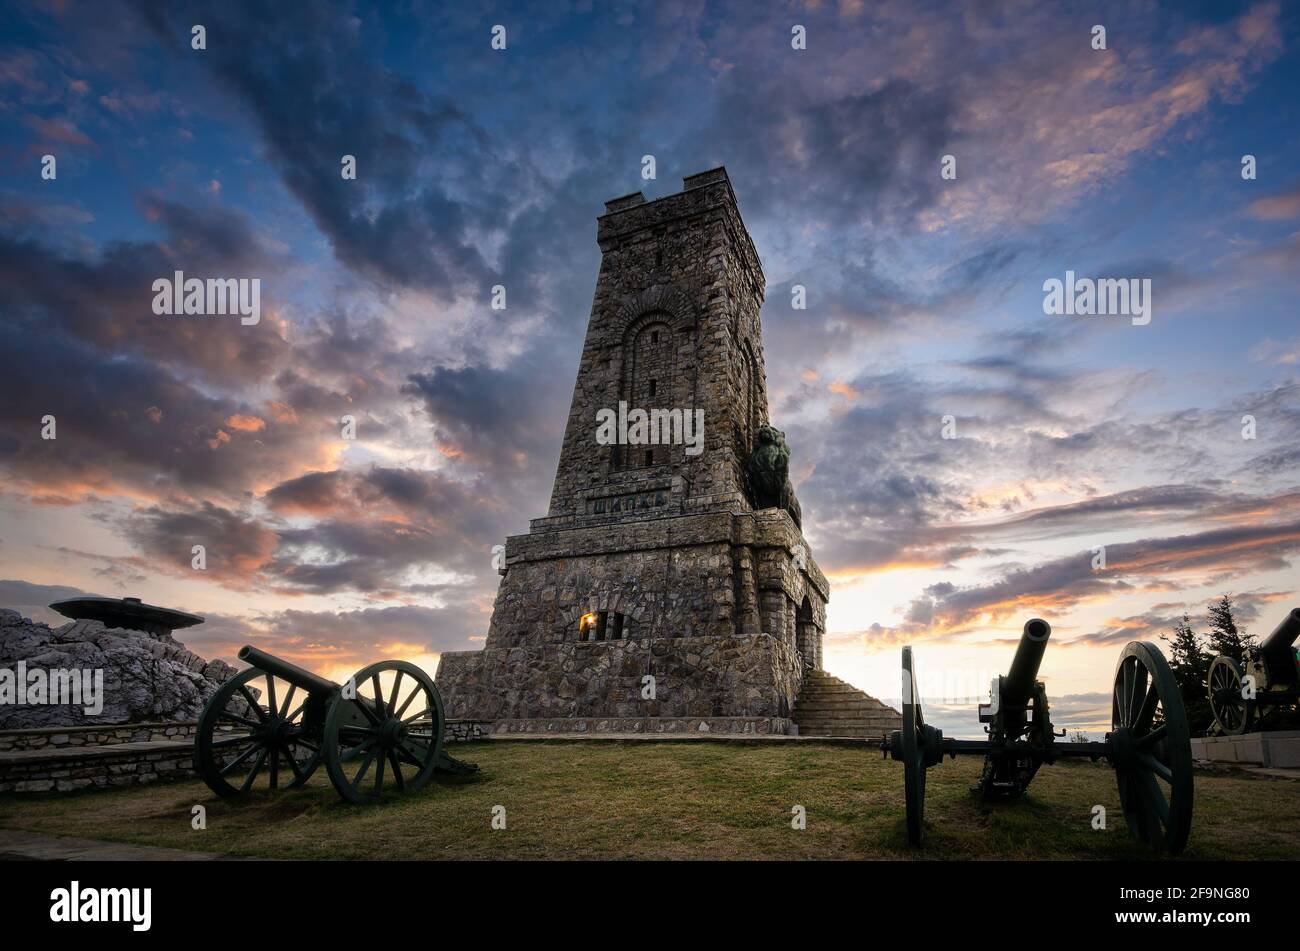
x,y
1149,744
273,725
1266,680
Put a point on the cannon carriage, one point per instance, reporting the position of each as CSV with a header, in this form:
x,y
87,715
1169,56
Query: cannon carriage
x,y
274,724
1266,681
1149,744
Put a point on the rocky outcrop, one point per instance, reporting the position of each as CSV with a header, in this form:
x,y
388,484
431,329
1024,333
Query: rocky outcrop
x,y
146,677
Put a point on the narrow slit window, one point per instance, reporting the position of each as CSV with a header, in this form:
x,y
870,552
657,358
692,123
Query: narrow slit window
x,y
602,626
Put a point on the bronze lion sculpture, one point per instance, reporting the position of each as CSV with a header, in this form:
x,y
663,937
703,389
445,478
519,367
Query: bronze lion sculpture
x,y
768,468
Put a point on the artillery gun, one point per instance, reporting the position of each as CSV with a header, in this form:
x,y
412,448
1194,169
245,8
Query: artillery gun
x,y
1269,679
252,738
1149,744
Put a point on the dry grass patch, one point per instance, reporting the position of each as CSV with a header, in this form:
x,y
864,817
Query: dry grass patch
x,y
671,801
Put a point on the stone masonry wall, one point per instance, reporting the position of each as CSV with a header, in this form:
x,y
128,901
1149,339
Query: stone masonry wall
x,y
665,592
686,261
109,734
62,760
733,676
53,738
662,552
127,768
646,726
715,574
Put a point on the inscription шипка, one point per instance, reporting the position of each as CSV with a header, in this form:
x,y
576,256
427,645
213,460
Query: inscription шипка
x,y
628,504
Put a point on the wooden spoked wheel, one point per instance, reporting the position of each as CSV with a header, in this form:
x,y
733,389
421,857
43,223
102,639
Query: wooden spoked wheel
x,y
1151,749
387,736
1234,713
252,741
920,746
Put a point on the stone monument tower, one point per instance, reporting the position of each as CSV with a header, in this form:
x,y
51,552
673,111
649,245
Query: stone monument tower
x,y
669,586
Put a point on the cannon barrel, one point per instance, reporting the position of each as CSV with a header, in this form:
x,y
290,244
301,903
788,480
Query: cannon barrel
x,y
1276,648
302,679
1018,685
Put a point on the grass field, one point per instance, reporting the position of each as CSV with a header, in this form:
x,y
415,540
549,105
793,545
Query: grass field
x,y
675,801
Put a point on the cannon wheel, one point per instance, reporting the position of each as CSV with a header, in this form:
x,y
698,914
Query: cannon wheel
x,y
1151,749
239,740
1234,713
914,751
391,731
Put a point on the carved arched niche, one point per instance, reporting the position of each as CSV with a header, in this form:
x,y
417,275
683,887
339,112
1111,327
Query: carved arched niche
x,y
649,381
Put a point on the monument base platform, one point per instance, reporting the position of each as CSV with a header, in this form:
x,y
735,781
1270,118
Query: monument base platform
x,y
1279,750
650,681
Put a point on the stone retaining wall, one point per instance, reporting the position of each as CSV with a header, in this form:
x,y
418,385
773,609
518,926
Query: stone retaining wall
x,y
463,731
1279,749
107,735
128,766
715,725
457,731
61,760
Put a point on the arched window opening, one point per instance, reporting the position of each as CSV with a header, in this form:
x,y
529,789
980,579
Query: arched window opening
x,y
806,634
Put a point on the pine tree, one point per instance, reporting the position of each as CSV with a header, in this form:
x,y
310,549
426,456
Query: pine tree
x,y
1189,656
1190,663
1224,636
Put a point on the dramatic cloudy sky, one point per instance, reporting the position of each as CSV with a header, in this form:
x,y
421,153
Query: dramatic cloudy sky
x,y
478,167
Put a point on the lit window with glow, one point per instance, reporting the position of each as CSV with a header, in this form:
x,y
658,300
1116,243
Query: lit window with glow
x,y
601,626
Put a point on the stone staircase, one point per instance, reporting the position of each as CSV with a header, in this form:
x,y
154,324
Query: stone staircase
x,y
827,706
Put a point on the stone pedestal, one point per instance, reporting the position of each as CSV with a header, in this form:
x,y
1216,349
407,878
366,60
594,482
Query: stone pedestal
x,y
703,604
751,676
